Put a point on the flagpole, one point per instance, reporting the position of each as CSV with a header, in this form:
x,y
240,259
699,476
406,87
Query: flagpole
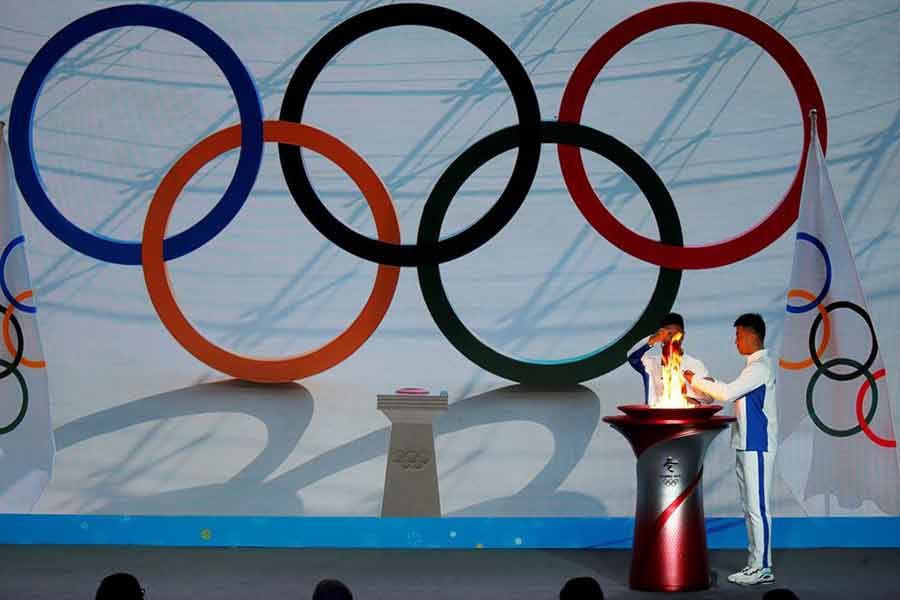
x,y
813,113
812,118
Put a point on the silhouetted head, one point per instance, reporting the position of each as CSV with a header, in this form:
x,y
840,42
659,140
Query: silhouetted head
x,y
120,586
581,588
331,589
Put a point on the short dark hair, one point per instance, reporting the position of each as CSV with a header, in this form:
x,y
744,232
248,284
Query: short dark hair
x,y
331,589
119,586
581,588
672,319
753,322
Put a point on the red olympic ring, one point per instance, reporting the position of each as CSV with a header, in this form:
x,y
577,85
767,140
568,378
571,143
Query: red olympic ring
x,y
151,254
267,370
860,397
575,95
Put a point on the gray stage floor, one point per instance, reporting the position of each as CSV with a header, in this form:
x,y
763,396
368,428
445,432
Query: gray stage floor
x,y
64,572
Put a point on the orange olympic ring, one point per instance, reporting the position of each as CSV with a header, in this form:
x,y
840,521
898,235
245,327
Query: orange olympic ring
x,y
263,369
826,332
7,339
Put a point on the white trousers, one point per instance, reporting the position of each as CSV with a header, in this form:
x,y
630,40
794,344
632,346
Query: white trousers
x,y
754,474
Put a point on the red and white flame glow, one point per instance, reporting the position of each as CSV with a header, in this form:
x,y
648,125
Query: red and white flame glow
x,y
674,386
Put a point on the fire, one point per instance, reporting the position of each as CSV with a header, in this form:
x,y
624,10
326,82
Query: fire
x,y
674,386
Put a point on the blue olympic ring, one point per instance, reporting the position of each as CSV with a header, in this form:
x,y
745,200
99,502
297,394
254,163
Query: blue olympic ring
x,y
9,295
802,235
22,115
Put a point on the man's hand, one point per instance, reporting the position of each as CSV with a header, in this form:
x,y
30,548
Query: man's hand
x,y
689,376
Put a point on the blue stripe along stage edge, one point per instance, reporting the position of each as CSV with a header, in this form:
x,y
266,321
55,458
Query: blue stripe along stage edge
x,y
458,533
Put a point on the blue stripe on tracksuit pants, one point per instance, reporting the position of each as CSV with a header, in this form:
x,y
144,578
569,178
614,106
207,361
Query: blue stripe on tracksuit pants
x,y
754,436
754,474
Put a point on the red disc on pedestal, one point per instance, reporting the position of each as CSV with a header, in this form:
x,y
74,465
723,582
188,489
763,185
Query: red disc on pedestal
x,y
414,391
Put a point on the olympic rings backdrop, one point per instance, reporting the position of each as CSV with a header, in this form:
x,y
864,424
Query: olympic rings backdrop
x,y
357,198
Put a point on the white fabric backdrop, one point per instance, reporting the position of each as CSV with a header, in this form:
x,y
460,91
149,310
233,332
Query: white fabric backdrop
x,y
142,427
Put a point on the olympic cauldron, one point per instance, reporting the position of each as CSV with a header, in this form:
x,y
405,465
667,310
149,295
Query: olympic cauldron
x,y
670,440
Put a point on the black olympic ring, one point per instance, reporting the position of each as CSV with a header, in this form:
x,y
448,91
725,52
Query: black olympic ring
x,y
520,180
11,367
430,251
15,422
823,370
594,363
863,368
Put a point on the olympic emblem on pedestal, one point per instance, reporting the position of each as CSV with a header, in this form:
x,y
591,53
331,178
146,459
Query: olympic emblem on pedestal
x,y
826,368
430,250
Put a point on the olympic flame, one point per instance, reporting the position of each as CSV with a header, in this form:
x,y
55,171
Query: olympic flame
x,y
674,386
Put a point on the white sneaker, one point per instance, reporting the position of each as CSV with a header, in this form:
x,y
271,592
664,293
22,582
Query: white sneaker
x,y
735,576
753,577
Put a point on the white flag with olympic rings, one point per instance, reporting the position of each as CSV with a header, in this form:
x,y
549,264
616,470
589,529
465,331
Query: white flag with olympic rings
x,y
834,412
26,440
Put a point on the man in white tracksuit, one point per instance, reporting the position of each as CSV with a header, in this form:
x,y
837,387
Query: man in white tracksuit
x,y
754,437
649,366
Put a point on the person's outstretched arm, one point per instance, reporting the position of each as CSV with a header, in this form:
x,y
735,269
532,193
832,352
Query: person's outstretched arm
x,y
693,393
753,376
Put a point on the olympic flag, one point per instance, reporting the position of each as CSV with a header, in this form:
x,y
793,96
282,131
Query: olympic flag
x,y
834,412
26,439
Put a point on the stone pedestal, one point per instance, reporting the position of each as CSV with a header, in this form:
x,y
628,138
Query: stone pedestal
x,y
410,479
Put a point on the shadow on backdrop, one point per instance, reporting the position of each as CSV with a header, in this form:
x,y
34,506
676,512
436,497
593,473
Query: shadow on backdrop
x,y
285,410
572,430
